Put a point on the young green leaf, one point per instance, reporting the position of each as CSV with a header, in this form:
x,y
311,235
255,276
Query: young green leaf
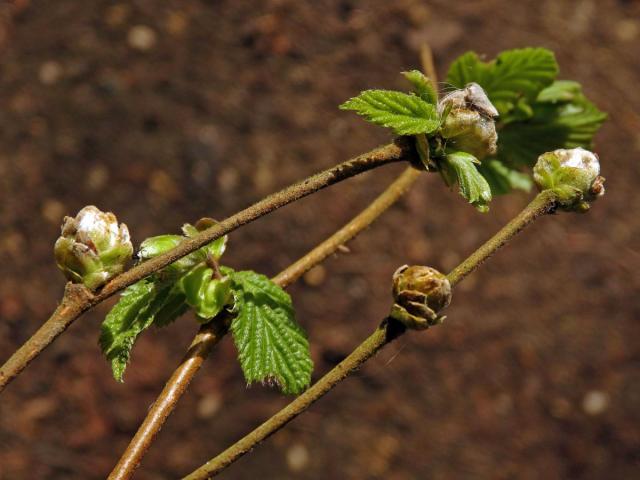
x,y
138,307
503,179
512,75
173,305
154,246
205,294
422,85
560,91
214,249
552,126
404,114
272,347
460,168
120,327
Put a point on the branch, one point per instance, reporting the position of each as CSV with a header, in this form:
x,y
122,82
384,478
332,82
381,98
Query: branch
x,y
389,330
211,333
72,306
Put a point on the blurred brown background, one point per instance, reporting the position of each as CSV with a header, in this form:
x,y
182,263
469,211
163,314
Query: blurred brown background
x,y
166,111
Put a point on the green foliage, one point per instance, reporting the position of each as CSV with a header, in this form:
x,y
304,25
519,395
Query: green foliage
x,y
513,75
560,91
163,297
139,305
272,347
503,179
460,168
565,118
422,86
537,114
404,114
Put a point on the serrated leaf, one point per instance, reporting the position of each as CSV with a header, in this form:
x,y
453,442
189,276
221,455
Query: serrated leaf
x,y
422,85
461,169
514,74
173,306
272,347
503,179
468,68
138,307
205,294
121,327
560,91
553,126
404,114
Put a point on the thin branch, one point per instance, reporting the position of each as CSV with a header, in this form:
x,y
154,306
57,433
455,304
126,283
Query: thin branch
x,y
72,306
365,218
389,330
206,340
542,204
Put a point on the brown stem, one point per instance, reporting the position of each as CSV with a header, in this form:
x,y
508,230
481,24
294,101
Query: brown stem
x,y
200,347
543,203
72,307
383,335
177,384
365,218
75,301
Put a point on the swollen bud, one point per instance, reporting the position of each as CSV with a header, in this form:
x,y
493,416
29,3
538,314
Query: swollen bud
x,y
419,293
206,293
573,174
469,121
92,248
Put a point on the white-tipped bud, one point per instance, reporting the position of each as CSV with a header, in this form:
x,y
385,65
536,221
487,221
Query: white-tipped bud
x,y
574,174
93,248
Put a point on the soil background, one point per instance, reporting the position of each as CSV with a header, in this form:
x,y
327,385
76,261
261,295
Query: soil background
x,y
167,111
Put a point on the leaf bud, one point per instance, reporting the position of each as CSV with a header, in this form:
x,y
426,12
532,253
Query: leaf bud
x,y
469,121
92,248
419,293
573,174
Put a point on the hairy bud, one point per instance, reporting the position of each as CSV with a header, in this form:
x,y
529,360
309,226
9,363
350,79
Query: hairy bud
x,y
419,293
574,174
92,248
470,122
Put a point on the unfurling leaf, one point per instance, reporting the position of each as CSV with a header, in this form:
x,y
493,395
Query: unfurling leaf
x,y
557,124
514,74
460,168
205,294
272,347
139,307
404,114
422,85
503,179
154,246
560,91
537,114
